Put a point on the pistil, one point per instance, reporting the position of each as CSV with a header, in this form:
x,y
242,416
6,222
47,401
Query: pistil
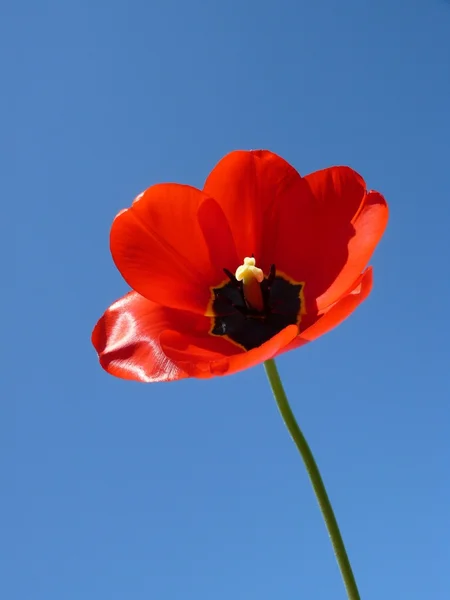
x,y
251,277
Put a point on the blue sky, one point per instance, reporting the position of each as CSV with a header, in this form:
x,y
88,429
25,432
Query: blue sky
x,y
118,490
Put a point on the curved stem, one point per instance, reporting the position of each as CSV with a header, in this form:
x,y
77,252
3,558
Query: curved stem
x,y
315,477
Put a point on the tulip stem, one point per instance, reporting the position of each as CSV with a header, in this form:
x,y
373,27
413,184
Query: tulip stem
x,y
315,477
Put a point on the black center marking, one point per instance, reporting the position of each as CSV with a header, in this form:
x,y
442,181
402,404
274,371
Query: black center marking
x,y
246,326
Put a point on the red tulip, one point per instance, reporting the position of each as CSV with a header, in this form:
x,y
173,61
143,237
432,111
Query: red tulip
x,y
259,262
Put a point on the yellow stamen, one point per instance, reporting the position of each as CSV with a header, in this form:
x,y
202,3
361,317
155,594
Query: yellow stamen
x,y
251,276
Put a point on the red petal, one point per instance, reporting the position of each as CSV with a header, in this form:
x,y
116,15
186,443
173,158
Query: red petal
x,y
127,340
202,357
351,225
140,340
369,225
246,185
218,236
338,312
326,229
159,247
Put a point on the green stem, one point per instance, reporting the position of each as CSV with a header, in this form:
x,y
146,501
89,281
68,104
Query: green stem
x,y
315,477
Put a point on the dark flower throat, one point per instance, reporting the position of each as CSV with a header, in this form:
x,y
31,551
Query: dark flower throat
x,y
247,327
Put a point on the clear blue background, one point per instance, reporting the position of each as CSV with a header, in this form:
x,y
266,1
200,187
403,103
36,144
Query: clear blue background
x,y
117,490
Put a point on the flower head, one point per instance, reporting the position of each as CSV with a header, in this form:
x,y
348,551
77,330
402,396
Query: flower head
x,y
259,262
